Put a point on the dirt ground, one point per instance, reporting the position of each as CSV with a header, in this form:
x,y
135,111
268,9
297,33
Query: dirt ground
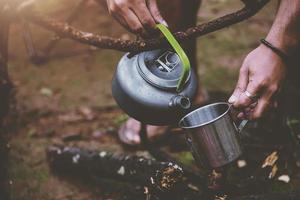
x,y
68,101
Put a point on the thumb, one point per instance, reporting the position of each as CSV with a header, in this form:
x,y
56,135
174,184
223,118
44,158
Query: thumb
x,y
152,5
240,86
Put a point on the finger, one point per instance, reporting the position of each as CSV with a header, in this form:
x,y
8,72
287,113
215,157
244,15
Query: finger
x,y
253,105
241,115
117,11
253,88
127,19
248,111
262,106
266,101
145,17
240,86
134,23
120,19
152,5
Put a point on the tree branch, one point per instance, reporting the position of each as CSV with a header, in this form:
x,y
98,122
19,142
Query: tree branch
x,y
67,31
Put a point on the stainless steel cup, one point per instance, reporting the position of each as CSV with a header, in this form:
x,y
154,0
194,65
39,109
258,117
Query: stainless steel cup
x,y
213,135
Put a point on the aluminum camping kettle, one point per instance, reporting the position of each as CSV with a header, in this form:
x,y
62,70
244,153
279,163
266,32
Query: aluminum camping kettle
x,y
155,87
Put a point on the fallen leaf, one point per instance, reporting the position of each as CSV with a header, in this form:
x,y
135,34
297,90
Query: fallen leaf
x,y
98,133
193,187
284,178
221,197
70,117
121,171
270,160
87,113
32,132
46,92
273,172
241,163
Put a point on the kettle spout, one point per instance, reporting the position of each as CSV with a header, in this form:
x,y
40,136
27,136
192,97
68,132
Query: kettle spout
x,y
180,102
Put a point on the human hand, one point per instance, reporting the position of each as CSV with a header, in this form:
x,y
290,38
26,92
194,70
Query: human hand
x,y
137,16
262,74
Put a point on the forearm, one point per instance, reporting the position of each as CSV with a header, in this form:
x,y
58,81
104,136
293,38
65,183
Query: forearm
x,y
285,31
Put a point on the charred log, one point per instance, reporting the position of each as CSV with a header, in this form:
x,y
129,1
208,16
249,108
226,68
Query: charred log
x,y
159,177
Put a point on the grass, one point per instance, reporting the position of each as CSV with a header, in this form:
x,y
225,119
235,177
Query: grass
x,y
186,158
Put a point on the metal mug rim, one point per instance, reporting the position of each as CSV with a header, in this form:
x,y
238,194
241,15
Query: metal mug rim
x,y
180,124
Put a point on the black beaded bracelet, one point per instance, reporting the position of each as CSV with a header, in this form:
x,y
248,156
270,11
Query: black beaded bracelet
x,y
280,53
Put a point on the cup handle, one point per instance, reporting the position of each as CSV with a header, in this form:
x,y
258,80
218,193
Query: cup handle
x,y
242,125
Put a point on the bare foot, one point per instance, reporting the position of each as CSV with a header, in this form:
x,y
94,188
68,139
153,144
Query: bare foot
x,y
129,131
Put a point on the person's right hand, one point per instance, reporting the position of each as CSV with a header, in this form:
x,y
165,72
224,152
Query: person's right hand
x,y
137,16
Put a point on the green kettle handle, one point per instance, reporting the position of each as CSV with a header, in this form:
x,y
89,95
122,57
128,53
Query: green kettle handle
x,y
180,52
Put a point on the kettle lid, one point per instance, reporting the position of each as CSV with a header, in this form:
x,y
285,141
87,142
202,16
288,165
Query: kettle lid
x,y
161,68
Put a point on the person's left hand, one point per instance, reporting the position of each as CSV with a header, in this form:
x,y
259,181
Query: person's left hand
x,y
261,75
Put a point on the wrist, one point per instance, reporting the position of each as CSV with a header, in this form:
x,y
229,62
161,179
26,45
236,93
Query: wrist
x,y
285,58
287,42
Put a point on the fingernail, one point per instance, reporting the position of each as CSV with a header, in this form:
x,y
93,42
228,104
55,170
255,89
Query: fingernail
x,y
232,99
136,138
164,23
133,137
130,136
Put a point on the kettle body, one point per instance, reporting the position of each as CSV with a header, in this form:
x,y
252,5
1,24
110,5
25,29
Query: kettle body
x,y
144,86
